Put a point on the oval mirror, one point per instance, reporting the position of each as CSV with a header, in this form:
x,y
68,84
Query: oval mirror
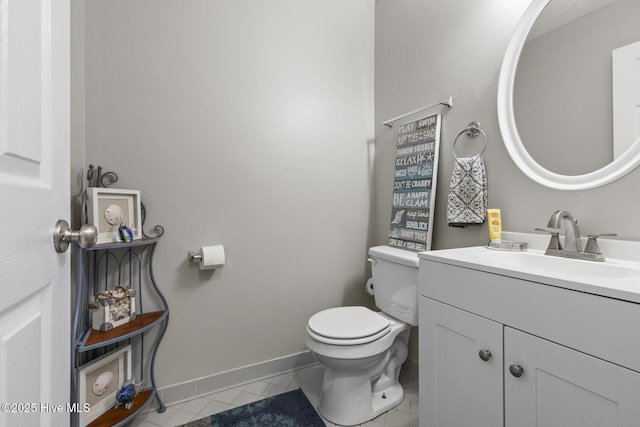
x,y
555,110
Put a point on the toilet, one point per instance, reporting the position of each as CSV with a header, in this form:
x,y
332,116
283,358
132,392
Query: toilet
x,y
362,350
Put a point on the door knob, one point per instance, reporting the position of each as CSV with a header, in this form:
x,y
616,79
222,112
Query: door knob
x,y
484,355
86,237
516,370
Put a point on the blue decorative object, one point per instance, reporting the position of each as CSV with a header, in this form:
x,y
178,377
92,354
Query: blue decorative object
x,y
127,392
125,234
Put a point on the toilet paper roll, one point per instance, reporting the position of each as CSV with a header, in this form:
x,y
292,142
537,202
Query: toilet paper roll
x,y
212,257
369,286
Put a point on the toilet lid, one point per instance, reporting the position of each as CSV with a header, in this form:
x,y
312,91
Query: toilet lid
x,y
349,323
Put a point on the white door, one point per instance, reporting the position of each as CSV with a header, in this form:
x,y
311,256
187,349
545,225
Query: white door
x,y
34,194
626,97
561,387
460,368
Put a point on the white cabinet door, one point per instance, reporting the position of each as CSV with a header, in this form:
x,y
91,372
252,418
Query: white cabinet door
x,y
561,387
457,386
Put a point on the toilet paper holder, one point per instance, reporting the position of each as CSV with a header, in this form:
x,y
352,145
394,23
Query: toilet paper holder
x,y
208,257
194,257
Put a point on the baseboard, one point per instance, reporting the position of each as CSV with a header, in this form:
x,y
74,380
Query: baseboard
x,y
197,387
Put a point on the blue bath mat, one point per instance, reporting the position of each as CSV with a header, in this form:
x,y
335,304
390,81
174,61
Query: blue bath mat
x,y
290,409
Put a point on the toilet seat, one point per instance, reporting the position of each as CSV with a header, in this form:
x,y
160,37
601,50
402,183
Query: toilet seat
x,y
348,326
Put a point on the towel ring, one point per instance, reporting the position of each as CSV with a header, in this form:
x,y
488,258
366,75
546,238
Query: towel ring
x,y
472,131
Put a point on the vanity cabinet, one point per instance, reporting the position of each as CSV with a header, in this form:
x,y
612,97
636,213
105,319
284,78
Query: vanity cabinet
x,y
502,351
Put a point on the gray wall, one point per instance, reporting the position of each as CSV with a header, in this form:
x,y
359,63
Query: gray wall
x,y
247,124
427,50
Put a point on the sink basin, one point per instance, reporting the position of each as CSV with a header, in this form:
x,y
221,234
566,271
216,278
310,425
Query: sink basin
x,y
613,278
539,263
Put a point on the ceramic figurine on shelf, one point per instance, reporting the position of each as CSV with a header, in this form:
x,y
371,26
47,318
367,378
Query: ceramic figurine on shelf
x,y
127,392
125,233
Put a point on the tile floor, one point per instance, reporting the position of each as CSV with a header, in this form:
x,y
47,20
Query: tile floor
x,y
308,379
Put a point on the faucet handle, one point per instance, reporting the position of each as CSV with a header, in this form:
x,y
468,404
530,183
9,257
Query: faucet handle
x,y
595,236
592,243
554,243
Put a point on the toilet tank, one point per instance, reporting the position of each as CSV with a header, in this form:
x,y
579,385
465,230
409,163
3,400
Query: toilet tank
x,y
395,278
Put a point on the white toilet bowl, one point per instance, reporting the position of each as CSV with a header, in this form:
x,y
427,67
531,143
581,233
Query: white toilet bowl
x,y
362,352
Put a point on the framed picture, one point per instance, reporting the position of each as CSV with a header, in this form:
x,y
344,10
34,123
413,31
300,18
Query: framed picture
x,y
414,186
110,208
99,381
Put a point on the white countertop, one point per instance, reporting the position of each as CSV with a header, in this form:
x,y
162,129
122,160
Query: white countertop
x,y
614,278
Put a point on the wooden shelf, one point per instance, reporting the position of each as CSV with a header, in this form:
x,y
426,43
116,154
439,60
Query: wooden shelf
x,y
115,416
142,322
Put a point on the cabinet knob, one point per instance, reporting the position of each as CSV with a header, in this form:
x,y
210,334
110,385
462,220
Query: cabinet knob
x,y
516,370
484,355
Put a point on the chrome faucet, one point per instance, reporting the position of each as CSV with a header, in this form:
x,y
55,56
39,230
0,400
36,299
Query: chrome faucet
x,y
572,247
571,230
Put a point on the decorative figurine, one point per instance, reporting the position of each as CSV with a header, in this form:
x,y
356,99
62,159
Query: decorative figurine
x,y
127,392
125,233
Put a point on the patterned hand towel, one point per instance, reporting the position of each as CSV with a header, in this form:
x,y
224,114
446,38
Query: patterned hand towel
x,y
467,202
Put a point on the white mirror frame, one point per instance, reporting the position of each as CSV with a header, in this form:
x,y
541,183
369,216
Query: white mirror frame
x,y
619,167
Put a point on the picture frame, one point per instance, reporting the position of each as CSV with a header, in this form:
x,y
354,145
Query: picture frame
x,y
108,208
414,186
100,380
